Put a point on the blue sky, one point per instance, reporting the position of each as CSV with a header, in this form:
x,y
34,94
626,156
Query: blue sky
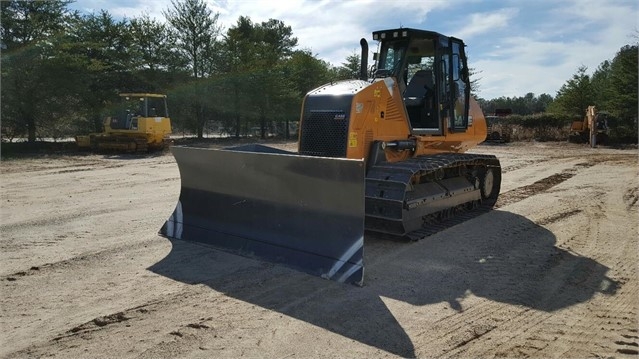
x,y
515,46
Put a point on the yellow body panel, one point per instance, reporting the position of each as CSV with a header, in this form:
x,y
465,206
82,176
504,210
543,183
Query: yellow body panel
x,y
154,129
577,126
83,141
376,115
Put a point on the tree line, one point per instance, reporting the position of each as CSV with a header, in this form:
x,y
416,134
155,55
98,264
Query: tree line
x,y
612,88
62,71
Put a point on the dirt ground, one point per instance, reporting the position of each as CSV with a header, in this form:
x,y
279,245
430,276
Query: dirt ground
x,y
552,272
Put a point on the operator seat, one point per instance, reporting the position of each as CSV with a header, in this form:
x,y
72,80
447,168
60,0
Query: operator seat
x,y
420,85
418,99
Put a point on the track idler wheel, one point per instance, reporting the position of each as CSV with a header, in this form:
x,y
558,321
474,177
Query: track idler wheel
x,y
489,184
486,183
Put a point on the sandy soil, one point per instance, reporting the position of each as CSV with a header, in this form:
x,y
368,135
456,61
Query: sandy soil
x,y
552,272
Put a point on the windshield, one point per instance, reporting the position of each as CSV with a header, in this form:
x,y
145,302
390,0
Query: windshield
x,y
142,106
133,105
156,107
391,57
418,54
421,57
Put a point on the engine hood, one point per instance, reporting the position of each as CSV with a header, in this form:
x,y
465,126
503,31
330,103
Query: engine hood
x,y
344,87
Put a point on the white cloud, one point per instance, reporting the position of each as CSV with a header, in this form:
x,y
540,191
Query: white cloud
x,y
331,29
523,66
518,47
543,59
481,23
124,8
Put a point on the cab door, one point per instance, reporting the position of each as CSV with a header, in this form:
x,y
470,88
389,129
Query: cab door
x,y
459,87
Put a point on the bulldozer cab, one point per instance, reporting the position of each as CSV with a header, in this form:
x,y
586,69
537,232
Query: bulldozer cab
x,y
432,74
133,106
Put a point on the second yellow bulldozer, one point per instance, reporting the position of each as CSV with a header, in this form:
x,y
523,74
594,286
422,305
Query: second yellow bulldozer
x,y
382,153
140,123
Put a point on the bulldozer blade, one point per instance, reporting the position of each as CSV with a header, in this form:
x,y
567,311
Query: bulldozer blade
x,y
304,212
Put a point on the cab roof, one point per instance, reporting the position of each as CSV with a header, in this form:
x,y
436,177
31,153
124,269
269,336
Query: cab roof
x,y
406,32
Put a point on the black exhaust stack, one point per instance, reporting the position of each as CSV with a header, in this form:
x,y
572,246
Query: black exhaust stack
x,y
363,70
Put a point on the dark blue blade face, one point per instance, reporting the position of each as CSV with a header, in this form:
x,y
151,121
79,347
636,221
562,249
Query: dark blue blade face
x,y
303,212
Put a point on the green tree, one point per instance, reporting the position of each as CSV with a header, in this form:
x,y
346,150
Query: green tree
x,y
195,30
237,62
155,63
575,95
29,30
103,46
529,104
474,81
255,73
274,43
543,102
350,68
601,85
624,86
305,73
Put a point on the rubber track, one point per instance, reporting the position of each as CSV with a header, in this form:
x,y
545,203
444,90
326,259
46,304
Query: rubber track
x,y
403,172
141,145
433,225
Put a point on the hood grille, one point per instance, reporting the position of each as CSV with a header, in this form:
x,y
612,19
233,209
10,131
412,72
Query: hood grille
x,y
324,133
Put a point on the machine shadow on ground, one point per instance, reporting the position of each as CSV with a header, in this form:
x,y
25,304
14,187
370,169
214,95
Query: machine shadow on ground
x,y
500,256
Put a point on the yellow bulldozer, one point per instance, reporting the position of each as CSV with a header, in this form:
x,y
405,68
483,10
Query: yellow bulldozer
x,y
141,123
383,153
